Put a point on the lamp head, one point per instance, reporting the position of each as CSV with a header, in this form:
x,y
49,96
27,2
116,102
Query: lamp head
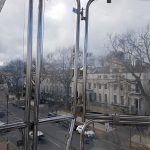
x,y
108,1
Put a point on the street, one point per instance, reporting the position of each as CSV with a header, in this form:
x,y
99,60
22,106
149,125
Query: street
x,y
55,135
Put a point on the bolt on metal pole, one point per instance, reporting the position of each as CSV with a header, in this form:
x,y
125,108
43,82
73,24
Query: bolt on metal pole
x,y
76,56
85,58
28,73
38,73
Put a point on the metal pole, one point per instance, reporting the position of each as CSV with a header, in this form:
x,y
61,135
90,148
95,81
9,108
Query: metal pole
x,y
7,122
76,56
70,134
85,58
38,72
28,73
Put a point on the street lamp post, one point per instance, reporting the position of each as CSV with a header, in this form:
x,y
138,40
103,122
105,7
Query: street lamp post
x,y
77,11
85,56
86,18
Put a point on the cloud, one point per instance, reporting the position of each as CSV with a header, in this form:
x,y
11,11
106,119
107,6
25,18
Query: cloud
x,y
60,24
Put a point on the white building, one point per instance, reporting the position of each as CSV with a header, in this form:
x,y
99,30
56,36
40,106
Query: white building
x,y
114,89
52,87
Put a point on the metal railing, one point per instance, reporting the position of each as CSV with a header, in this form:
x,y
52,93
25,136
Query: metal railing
x,y
113,119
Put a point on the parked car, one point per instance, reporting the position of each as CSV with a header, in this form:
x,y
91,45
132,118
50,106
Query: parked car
x,y
3,131
50,114
22,107
2,114
88,131
39,133
1,123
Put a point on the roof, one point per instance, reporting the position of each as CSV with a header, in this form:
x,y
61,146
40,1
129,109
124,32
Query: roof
x,y
97,70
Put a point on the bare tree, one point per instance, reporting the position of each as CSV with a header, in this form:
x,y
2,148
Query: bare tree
x,y
135,48
14,76
59,67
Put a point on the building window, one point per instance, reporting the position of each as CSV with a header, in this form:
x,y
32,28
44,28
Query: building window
x,y
122,100
90,97
94,97
105,86
115,70
95,85
47,88
105,76
121,87
129,87
115,99
113,76
137,89
99,76
89,84
115,86
123,76
144,76
105,98
99,85
100,97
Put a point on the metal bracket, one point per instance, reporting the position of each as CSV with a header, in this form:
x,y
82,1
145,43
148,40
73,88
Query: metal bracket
x,y
115,118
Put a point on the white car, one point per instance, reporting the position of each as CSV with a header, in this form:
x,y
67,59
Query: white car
x,y
40,134
88,132
79,128
1,123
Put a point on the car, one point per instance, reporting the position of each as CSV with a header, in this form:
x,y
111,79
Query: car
x,y
22,107
50,114
79,128
39,133
2,114
4,130
1,123
88,131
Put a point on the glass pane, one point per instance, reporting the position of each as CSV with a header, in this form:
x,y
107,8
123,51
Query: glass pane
x,y
12,61
56,73
54,135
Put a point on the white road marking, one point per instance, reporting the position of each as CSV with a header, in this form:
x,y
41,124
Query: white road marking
x,y
54,142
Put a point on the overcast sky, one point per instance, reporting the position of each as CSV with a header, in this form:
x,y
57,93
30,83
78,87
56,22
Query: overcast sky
x,y
60,24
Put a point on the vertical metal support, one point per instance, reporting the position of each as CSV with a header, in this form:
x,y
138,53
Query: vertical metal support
x,y
7,97
76,56
70,134
82,133
130,137
85,58
28,73
38,72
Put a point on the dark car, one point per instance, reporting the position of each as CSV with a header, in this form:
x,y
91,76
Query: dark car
x,y
2,114
50,114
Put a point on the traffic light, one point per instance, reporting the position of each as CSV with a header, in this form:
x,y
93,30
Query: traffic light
x,y
108,1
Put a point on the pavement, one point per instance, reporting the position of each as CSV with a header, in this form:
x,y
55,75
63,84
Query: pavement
x,y
4,145
137,139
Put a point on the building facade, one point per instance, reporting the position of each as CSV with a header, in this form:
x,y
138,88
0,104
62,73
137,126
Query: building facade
x,y
112,88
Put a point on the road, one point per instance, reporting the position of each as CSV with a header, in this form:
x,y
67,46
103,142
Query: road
x,y
55,133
